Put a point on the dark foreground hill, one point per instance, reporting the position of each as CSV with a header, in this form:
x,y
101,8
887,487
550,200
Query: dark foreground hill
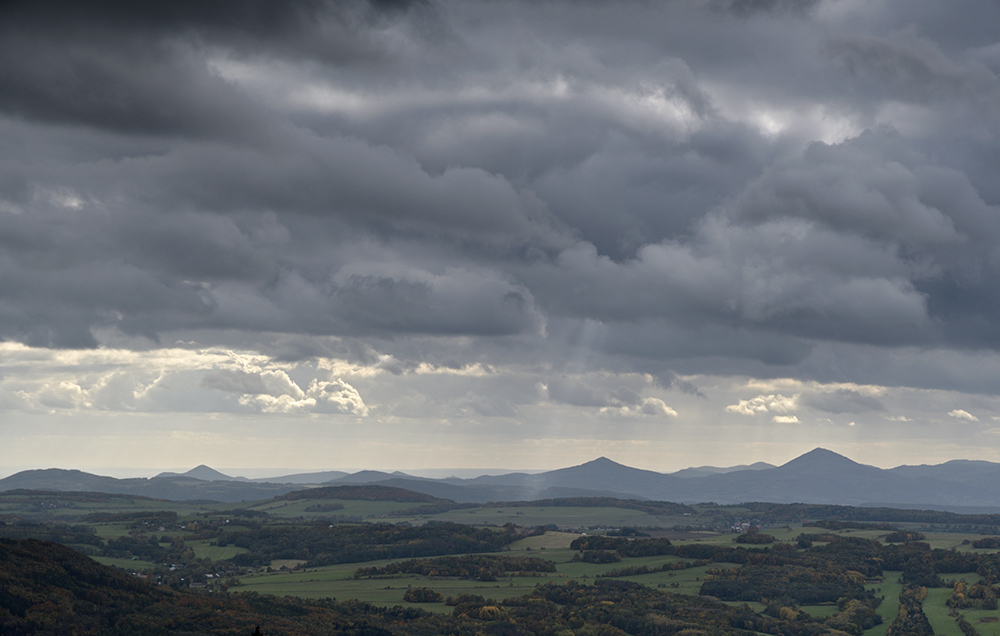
x,y
49,588
819,476
46,588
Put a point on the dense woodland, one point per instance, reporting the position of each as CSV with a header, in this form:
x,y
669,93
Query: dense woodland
x,y
321,544
486,567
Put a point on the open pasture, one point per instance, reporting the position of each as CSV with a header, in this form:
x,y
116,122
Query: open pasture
x,y
205,550
338,581
677,581
988,627
820,611
954,540
943,624
889,587
937,611
385,591
548,541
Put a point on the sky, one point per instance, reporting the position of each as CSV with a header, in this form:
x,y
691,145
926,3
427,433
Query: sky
x,y
268,235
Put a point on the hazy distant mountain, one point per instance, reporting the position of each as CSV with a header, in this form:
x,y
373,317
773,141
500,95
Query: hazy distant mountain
x,y
484,493
364,477
305,478
703,471
960,471
819,476
203,473
174,487
60,479
601,474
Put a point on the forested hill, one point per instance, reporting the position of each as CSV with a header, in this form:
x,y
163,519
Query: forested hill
x,y
47,587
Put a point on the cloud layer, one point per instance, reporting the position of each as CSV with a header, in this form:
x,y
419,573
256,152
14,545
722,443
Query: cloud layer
x,y
569,196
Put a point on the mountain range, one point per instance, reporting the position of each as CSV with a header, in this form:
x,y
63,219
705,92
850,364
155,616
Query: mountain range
x,y
819,476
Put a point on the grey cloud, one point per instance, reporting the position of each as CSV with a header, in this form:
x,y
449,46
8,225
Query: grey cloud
x,y
579,392
323,29
142,70
203,246
903,65
842,401
670,379
447,304
486,406
849,188
642,187
342,182
233,381
785,277
694,349
145,88
749,7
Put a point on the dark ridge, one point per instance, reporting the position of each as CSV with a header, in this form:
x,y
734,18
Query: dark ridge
x,y
363,493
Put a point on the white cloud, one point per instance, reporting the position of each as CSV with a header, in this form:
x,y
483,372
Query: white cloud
x,y
656,406
64,395
277,403
962,414
764,404
274,391
338,396
648,407
785,419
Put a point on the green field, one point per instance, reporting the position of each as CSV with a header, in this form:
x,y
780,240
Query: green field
x,y
204,550
890,587
385,592
338,581
937,612
548,541
985,628
821,611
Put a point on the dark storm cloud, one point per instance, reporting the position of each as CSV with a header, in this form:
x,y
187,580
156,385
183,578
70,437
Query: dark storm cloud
x,y
320,27
135,87
136,67
669,187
